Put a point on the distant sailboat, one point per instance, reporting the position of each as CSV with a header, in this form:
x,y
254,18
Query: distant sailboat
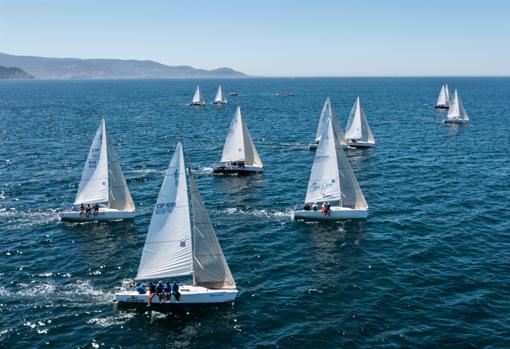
x,y
332,184
443,100
197,98
327,112
239,153
220,97
102,183
357,132
181,242
456,113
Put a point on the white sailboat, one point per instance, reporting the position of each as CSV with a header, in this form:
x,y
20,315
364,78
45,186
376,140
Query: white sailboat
x,y
220,97
332,184
239,153
357,132
197,98
443,100
181,242
327,112
103,184
456,113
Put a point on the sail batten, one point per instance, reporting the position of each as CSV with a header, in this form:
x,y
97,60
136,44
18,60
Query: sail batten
x,y
94,183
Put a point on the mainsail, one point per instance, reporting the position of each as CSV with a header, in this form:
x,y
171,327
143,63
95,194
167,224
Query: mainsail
x,y
443,98
220,98
357,125
456,110
94,186
168,246
120,197
210,268
197,97
332,178
328,112
239,144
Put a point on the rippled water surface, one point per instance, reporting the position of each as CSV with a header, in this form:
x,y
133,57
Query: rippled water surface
x,y
430,267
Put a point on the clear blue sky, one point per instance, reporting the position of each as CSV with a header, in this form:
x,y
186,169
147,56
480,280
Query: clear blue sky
x,y
271,38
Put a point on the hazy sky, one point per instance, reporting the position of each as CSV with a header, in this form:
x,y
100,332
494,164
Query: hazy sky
x,y
271,38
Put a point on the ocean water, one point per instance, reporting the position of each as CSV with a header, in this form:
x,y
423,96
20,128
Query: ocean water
x,y
430,267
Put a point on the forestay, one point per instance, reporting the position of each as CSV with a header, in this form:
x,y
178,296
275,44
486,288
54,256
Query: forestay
x,y
120,197
357,125
210,267
94,186
168,246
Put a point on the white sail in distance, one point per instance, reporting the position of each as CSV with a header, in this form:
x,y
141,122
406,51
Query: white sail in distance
x,y
443,99
220,97
210,269
197,97
168,245
328,112
456,110
239,145
94,184
357,125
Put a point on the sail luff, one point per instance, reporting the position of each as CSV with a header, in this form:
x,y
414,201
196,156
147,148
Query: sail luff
x,y
234,147
325,114
168,246
94,186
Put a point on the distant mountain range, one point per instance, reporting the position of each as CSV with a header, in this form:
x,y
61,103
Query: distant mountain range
x,y
75,68
13,73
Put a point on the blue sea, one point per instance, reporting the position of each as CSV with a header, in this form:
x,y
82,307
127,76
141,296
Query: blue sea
x,y
430,267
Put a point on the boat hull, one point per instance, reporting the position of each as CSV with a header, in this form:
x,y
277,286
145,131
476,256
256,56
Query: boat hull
x,y
314,146
103,215
198,104
360,145
219,103
189,295
455,121
235,170
442,107
336,214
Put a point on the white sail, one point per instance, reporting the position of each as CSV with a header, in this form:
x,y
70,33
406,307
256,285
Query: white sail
x,y
357,125
239,144
442,99
447,93
94,186
332,178
328,112
324,183
197,97
220,97
456,110
210,269
120,197
168,245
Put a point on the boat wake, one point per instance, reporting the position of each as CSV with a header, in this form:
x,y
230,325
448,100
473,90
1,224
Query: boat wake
x,y
256,212
29,218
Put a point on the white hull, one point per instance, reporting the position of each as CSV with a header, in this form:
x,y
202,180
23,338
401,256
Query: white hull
x,y
237,169
189,295
360,144
336,214
455,121
104,214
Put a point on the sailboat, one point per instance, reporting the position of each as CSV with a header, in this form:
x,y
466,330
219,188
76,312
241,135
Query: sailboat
x,y
181,242
357,132
102,183
327,112
332,184
220,97
456,113
443,100
239,153
197,98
